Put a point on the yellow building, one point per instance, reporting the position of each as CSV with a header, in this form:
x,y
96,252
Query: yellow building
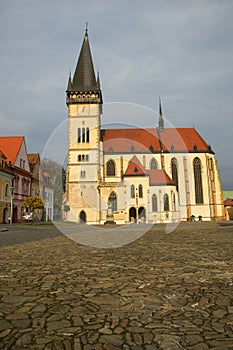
x,y
148,175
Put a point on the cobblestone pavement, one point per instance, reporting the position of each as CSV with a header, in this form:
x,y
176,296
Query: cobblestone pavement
x,y
163,291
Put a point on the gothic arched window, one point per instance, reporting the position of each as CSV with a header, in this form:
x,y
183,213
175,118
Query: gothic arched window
x,y
140,191
113,200
166,202
110,168
153,164
154,203
132,191
198,180
174,172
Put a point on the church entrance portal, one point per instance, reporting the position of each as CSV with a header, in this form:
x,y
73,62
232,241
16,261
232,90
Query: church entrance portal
x,y
132,214
5,216
142,214
82,217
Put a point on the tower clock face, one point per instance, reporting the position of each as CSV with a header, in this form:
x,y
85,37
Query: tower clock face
x,y
83,109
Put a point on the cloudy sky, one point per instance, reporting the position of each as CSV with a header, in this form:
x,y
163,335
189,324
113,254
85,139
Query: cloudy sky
x,y
177,49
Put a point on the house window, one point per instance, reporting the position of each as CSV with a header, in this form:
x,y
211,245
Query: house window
x,y
110,168
83,157
166,202
82,174
198,180
154,203
174,172
16,184
132,191
153,164
113,200
140,191
83,135
79,135
7,190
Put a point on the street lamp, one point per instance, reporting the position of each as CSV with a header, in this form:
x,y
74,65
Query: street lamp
x,y
136,205
11,213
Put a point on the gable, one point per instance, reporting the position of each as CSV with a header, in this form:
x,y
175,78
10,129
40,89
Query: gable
x,y
22,158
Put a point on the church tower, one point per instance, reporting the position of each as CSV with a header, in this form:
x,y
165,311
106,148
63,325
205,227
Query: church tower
x,y
84,102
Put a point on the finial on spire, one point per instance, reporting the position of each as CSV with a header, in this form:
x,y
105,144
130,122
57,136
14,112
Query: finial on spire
x,y
86,27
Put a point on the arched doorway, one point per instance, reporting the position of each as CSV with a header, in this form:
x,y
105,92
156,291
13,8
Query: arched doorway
x,y
15,213
5,216
132,214
82,217
142,214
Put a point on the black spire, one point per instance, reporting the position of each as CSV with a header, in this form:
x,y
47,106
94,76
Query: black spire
x,y
161,121
84,76
69,85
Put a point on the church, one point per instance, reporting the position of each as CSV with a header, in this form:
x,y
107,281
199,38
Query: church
x,y
152,175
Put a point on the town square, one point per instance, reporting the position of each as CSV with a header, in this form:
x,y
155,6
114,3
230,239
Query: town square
x,y
162,291
116,191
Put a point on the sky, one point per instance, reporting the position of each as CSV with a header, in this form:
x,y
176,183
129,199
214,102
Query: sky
x,y
179,50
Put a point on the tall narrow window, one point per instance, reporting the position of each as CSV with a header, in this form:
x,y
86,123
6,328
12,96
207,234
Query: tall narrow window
x,y
88,135
16,184
132,191
82,174
140,191
153,164
198,180
83,135
166,202
110,168
6,190
174,172
113,200
79,135
154,203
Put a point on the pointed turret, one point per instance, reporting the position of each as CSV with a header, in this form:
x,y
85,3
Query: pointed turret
x,y
98,80
84,88
69,85
84,76
161,121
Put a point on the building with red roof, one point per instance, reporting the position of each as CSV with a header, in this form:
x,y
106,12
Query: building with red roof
x,y
14,149
6,181
155,174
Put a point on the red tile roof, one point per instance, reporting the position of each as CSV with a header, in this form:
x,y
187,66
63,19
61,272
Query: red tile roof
x,y
135,168
156,177
159,177
130,140
182,139
147,140
45,174
10,145
32,158
228,202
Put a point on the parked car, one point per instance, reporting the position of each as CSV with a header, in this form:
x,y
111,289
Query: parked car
x,y
27,216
